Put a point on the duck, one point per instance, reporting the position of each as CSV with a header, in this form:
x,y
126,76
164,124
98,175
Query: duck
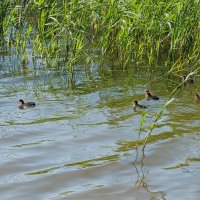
x,y
188,81
150,96
184,81
27,104
137,105
197,98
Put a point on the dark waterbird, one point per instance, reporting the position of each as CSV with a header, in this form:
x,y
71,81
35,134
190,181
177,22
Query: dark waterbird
x,y
27,104
197,98
136,105
185,80
188,81
150,96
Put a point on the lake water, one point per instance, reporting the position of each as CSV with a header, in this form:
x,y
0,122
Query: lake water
x,y
81,144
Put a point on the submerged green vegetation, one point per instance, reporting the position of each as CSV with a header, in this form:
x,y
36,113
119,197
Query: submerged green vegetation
x,y
125,33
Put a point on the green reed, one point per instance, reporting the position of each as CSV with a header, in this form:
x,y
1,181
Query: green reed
x,y
125,32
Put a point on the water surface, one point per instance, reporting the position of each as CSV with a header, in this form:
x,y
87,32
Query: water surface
x,y
81,143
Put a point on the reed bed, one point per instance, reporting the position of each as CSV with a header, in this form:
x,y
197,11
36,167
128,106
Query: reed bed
x,y
126,32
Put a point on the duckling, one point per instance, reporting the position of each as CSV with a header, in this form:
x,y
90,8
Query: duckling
x,y
188,81
183,79
137,105
27,104
197,98
150,96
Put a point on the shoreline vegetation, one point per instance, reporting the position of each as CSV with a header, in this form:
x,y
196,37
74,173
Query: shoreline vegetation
x,y
125,32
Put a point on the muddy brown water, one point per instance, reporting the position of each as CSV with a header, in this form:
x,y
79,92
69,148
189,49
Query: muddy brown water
x,y
81,144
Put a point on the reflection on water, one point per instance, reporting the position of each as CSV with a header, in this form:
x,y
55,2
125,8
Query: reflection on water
x,y
83,144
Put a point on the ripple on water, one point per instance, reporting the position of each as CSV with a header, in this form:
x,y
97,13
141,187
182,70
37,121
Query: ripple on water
x,y
83,144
